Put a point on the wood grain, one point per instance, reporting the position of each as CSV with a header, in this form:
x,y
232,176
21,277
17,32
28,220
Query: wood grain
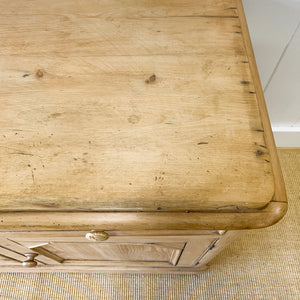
x,y
217,247
25,36
268,216
143,119
5,253
69,248
125,8
83,130
111,252
280,192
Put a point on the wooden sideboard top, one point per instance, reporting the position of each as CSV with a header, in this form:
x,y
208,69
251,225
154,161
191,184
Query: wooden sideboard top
x,y
142,106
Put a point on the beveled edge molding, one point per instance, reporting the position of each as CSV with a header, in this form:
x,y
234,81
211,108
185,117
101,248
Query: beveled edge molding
x,y
38,221
267,216
280,192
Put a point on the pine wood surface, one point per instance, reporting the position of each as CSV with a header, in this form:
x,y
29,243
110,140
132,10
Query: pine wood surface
x,y
147,251
83,129
132,116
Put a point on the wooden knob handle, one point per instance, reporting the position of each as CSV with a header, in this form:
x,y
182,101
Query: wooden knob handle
x,y
29,262
97,236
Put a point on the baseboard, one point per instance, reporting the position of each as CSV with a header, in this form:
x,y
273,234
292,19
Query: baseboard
x,y
286,136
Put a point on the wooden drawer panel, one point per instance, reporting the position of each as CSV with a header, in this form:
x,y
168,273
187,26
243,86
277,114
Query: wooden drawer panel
x,y
71,249
62,252
7,258
6,261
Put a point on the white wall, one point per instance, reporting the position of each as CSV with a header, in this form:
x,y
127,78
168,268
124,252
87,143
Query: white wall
x,y
274,27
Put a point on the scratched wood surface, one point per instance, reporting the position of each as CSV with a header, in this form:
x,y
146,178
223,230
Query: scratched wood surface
x,y
128,106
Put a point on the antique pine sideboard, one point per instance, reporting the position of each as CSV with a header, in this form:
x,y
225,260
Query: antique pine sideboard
x,y
134,135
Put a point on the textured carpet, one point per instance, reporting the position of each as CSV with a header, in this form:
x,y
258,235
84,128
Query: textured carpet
x,y
262,264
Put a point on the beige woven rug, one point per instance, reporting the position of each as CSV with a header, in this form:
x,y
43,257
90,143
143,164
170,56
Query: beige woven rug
x,y
262,264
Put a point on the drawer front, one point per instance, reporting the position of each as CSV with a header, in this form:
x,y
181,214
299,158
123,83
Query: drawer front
x,y
8,258
162,249
8,262
106,253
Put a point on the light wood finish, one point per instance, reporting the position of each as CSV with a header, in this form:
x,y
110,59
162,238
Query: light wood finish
x,y
134,135
216,247
18,250
232,173
44,252
125,9
149,251
280,192
6,262
268,216
75,98
6,253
